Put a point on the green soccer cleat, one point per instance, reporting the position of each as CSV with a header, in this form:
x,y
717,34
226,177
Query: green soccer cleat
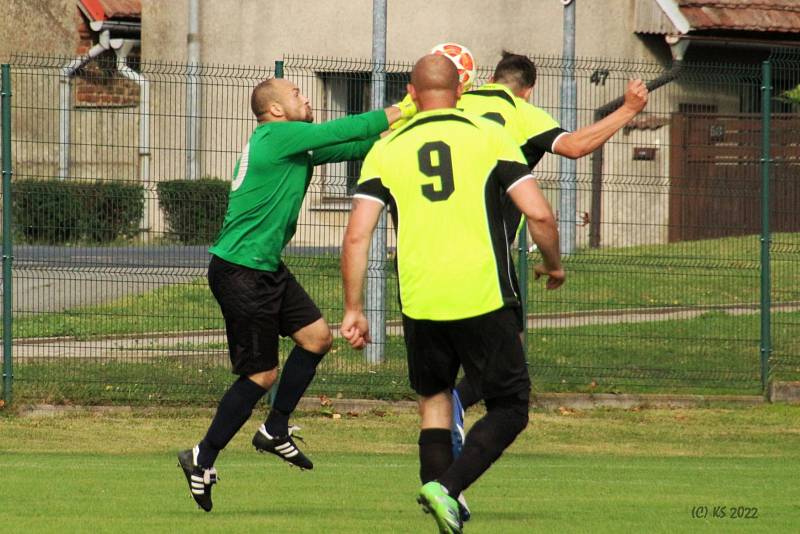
x,y
435,501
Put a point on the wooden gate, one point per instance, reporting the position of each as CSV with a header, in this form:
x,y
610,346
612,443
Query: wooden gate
x,y
715,175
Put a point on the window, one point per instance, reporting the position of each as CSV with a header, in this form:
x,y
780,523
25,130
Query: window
x,y
348,93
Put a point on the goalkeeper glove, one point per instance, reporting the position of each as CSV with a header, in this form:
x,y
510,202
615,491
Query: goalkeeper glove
x,y
407,109
399,123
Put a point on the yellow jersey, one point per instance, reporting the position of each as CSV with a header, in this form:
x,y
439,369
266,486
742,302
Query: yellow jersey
x,y
532,127
443,175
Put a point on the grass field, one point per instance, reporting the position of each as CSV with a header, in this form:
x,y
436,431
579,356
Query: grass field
x,y
713,353
698,273
661,356
596,471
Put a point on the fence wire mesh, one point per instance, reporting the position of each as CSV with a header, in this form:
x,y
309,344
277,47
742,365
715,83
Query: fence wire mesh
x,y
119,186
785,203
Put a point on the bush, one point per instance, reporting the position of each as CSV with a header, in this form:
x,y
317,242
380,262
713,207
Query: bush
x,y
194,209
111,210
45,211
58,211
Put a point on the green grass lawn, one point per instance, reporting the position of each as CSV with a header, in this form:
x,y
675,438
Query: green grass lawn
x,y
690,273
596,471
713,353
697,273
649,357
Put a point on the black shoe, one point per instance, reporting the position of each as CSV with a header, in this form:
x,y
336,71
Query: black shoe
x,y
283,447
200,480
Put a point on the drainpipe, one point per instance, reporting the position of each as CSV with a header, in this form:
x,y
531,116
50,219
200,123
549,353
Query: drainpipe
x,y
119,27
67,71
678,50
193,92
144,118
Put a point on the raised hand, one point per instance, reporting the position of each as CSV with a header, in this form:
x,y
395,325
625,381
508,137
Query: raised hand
x,y
636,95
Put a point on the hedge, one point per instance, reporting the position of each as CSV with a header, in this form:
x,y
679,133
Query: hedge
x,y
194,209
66,211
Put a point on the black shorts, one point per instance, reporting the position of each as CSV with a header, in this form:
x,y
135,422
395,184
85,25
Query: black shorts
x,y
487,346
258,306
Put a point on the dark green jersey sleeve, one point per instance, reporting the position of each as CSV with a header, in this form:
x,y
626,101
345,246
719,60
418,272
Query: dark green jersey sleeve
x,y
298,137
343,151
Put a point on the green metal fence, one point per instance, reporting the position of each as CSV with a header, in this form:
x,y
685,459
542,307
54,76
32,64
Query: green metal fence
x,y
675,281
782,173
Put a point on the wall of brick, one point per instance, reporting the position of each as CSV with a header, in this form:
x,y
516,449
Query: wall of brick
x,y
99,83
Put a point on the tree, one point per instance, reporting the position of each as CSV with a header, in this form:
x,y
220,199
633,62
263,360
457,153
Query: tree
x,y
791,96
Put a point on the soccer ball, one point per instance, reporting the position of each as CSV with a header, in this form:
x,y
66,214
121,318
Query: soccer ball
x,y
462,58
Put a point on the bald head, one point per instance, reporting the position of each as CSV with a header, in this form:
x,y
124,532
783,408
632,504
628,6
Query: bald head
x,y
279,99
434,72
263,95
434,82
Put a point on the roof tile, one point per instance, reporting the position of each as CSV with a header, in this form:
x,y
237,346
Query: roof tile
x,y
747,15
122,9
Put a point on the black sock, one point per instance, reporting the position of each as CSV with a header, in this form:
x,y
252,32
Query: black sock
x,y
469,395
233,411
435,453
490,436
297,374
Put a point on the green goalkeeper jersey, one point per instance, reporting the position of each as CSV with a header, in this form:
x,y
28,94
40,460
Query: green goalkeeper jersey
x,y
271,178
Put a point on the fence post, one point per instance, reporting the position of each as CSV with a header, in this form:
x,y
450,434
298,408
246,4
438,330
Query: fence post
x,y
375,291
269,398
766,287
193,103
8,257
522,265
567,168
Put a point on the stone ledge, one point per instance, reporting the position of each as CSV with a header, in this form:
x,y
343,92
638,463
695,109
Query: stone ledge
x,y
552,401
544,401
785,392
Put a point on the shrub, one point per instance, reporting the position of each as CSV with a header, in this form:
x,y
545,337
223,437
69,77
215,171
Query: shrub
x,y
59,211
111,210
194,209
45,211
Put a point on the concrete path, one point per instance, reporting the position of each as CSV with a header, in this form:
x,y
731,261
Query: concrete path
x,y
53,279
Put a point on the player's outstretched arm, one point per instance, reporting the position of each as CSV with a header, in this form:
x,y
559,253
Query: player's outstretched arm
x,y
589,138
355,249
543,228
351,150
396,114
297,137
